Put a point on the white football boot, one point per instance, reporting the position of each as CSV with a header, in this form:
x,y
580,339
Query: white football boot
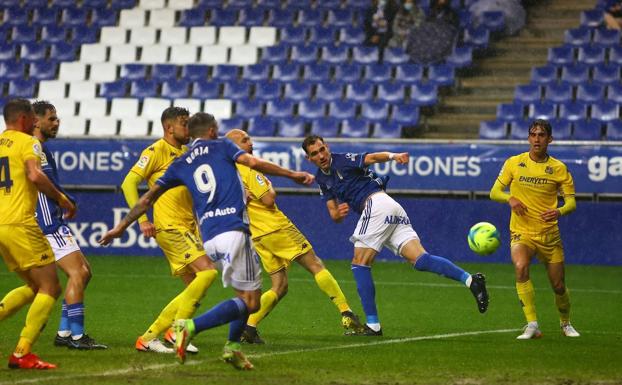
x,y
530,331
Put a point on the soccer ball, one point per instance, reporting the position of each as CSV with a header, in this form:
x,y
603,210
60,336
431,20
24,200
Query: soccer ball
x,y
484,238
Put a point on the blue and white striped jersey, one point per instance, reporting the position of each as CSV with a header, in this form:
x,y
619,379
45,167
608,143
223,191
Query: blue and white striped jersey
x,y
49,214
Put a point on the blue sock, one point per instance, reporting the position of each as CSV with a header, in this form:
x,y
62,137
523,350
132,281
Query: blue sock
x,y
441,266
75,313
64,319
367,291
224,312
236,327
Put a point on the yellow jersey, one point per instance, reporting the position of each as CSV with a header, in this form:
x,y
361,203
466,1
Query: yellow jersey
x,y
18,195
175,205
263,220
537,185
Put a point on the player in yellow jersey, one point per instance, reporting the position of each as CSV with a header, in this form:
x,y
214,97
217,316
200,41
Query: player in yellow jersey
x,y
279,242
23,246
534,179
174,228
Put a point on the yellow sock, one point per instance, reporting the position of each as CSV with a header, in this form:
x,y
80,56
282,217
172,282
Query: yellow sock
x,y
164,320
328,285
190,297
35,322
563,306
268,301
15,300
527,297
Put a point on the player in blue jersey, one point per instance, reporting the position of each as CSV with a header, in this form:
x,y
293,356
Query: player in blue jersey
x,y
347,183
67,253
209,172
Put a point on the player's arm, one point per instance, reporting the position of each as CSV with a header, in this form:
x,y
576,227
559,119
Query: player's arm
x,y
45,185
130,192
337,211
570,205
498,194
385,156
273,169
139,209
269,198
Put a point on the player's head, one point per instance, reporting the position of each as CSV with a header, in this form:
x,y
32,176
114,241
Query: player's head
x,y
18,115
317,151
47,120
540,135
175,124
203,125
240,138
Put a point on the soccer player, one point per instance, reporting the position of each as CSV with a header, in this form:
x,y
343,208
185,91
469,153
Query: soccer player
x,y
23,246
347,183
208,170
174,228
67,253
534,179
279,242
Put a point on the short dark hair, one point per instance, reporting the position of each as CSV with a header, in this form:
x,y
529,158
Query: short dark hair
x,y
309,140
200,123
542,123
172,113
14,107
41,106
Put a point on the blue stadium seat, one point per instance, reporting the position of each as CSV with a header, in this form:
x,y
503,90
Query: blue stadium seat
x,y
248,108
423,94
477,38
256,72
236,89
7,51
590,93
45,16
116,89
544,75
267,90
614,92
326,127
391,92
204,89
543,110
615,55
261,126
297,90
561,55
575,73
24,34
573,111
223,17
223,72
355,128
310,17
84,34
360,91
304,54
348,73
280,108
143,88
123,4
493,129
409,73
11,69
316,72
281,17
311,109
378,72
286,72
375,110
16,16
53,33
194,72
387,130
460,57
365,54
175,88
592,18
164,72
22,88
291,127
335,54
93,3
562,129
510,111
607,37
63,51
494,21
133,71
578,36
591,55
192,17
519,129
340,17
606,74
528,93
614,130
441,75
352,35
329,91
293,35
74,16
43,70
558,92
406,114
587,130
229,124
250,17
101,17
33,51
395,55
606,111
342,109
322,35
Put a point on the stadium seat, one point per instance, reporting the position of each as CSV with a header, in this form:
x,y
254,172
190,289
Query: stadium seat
x,y
494,21
544,75
142,36
175,89
133,71
16,16
441,75
192,105
351,35
100,72
93,53
592,18
605,74
93,108
326,127
132,17
22,88
340,17
102,17
267,90
391,92
322,35
297,91
202,35
229,124
355,128
194,72
477,38
493,129
220,108
214,54
519,129
53,33
248,108
573,111
281,17
591,55
329,91
173,36
52,89
236,89
261,126
162,18
203,89
528,93
409,73
72,126
460,57
406,114
562,129
222,72
578,37
74,16
293,35
360,91
243,55
250,17
311,109
378,72
103,126
375,110
231,35
124,107
316,72
590,93
143,88
192,17
607,37
62,51
116,35
7,51
262,36
223,17
310,17
342,109
33,52
153,107
587,130
615,55
614,93
304,54
387,130
162,72
150,54
543,110
365,55
280,108
84,34
423,94
348,73
82,90
291,127
614,130
134,126
13,69
606,111
24,34
274,54
395,55
558,92
575,73
561,55
256,72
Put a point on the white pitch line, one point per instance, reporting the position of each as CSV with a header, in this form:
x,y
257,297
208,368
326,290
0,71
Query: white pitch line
x,y
119,372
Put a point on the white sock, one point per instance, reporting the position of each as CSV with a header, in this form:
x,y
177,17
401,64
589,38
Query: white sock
x,y
468,281
75,338
375,326
64,333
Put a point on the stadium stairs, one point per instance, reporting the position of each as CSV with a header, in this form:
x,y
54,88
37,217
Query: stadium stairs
x,y
507,63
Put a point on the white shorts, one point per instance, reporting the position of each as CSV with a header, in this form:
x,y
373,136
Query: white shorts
x,y
233,253
383,223
62,241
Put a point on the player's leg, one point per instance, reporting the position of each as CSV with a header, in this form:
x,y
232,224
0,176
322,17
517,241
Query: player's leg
x,y
521,258
15,300
361,270
205,273
556,274
268,301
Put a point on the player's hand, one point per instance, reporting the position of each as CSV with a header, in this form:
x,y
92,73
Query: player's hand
x,y
110,235
148,229
517,206
550,215
302,177
68,206
401,158
343,209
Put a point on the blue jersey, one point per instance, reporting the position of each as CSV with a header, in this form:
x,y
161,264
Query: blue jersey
x,y
349,180
49,214
208,171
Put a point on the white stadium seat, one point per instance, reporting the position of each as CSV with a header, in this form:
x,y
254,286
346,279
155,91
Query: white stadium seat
x,y
202,35
193,105
102,72
220,108
154,54
132,17
113,35
162,18
153,107
134,127
64,108
173,35
93,108
150,4
243,55
262,36
93,53
143,35
72,71
82,90
125,53
50,89
180,4
214,54
104,126
124,107
232,35
72,126
183,54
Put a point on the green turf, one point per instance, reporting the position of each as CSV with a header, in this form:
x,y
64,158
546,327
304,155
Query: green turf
x,y
424,317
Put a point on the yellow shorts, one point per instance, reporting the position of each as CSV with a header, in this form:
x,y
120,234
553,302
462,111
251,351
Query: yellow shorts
x,y
181,246
278,249
548,246
24,246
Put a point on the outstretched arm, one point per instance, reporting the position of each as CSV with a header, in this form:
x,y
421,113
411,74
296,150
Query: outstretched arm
x,y
35,174
337,211
381,157
130,192
273,169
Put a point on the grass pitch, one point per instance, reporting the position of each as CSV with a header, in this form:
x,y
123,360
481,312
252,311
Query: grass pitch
x,y
433,333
